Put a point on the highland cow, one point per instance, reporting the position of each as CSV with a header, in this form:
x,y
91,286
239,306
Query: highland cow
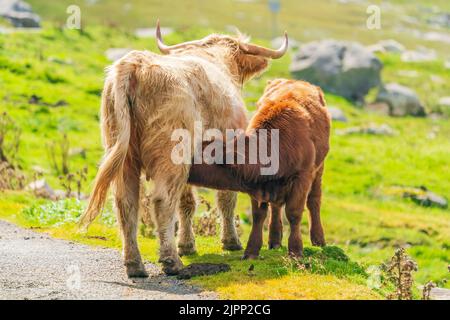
x,y
146,97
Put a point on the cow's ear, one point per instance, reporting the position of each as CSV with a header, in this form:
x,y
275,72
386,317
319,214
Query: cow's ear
x,y
250,65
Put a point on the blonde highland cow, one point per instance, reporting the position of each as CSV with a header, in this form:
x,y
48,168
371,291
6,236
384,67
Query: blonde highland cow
x,y
146,97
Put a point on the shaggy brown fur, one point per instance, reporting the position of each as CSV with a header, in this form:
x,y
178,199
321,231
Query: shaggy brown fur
x,y
298,110
145,98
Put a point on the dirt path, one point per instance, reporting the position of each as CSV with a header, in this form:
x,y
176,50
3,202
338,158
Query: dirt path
x,y
36,266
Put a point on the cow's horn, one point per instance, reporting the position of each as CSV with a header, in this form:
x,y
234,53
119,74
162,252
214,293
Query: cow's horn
x,y
165,49
264,52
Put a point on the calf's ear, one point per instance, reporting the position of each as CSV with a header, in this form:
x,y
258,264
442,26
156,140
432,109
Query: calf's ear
x,y
321,97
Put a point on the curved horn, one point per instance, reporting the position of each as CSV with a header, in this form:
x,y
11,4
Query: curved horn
x,y
264,52
165,49
162,47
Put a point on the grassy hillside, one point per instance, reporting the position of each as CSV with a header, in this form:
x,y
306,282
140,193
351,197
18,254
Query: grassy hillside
x,y
58,64
305,20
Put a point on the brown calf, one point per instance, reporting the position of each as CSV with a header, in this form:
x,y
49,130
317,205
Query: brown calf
x,y
297,109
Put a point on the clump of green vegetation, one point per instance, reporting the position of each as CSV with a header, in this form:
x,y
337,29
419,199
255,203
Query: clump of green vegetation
x,y
57,213
326,260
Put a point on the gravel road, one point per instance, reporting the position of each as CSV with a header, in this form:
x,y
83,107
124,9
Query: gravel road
x,y
36,266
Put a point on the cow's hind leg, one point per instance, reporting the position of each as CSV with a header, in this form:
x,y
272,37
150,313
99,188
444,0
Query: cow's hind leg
x,y
186,238
314,200
165,201
126,193
226,201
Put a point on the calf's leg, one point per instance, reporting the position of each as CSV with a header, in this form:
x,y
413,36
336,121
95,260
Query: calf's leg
x,y
275,227
226,202
295,205
314,200
186,238
259,213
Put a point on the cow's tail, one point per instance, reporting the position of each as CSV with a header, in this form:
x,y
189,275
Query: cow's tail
x,y
112,166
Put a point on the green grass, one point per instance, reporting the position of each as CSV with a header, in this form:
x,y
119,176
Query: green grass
x,y
60,64
305,20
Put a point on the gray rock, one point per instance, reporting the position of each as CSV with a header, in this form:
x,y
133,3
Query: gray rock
x,y
337,114
387,46
41,189
61,194
344,68
440,294
444,102
440,20
402,101
424,197
19,13
437,37
421,55
378,107
370,129
114,54
78,152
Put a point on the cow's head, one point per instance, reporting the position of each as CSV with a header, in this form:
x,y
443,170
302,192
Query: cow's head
x,y
244,60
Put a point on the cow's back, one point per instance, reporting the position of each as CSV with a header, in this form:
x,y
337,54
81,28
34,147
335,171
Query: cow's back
x,y
167,93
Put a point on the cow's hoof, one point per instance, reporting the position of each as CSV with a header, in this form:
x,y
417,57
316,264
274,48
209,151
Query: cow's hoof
x,y
136,270
274,245
187,249
171,266
234,245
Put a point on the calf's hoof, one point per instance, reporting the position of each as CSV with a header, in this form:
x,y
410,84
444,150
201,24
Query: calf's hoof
x,y
295,254
274,245
250,256
186,249
171,266
136,270
318,241
233,245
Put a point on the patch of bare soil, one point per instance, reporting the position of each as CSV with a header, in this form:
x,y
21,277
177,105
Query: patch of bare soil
x,y
202,269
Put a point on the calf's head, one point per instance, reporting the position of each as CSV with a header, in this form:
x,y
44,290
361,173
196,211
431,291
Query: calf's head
x,y
243,60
